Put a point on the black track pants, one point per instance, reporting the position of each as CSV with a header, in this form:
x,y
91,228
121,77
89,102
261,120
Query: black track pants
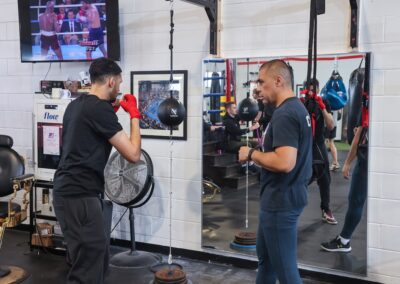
x,y
87,237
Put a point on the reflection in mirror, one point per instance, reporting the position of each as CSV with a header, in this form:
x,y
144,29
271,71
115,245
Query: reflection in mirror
x,y
335,201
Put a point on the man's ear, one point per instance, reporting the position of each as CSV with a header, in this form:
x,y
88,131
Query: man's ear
x,y
279,81
111,81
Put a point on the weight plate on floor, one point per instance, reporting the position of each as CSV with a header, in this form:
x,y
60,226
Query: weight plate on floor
x,y
168,276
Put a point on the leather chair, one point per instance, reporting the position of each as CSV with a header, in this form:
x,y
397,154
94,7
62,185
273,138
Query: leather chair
x,y
12,179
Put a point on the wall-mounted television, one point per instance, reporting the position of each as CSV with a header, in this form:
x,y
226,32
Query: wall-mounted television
x,y
68,30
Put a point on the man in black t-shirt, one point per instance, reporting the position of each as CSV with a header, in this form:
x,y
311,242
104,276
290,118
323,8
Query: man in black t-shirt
x,y
286,170
233,132
90,129
322,114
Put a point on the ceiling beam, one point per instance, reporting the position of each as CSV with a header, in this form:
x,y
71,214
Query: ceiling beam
x,y
211,7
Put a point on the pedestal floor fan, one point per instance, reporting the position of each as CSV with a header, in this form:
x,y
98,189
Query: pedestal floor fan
x,y
130,185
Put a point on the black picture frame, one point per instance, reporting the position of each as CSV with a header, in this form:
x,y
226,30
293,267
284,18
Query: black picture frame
x,y
299,89
150,89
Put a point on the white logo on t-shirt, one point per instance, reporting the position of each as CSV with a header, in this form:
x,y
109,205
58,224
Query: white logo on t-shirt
x,y
308,120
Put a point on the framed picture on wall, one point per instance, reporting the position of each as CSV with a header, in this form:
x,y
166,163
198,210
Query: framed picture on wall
x,y
299,89
150,89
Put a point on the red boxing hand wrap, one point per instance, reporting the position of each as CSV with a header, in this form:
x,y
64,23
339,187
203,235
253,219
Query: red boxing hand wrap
x,y
320,102
129,104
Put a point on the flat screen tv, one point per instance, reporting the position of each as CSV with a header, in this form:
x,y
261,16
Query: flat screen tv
x,y
68,30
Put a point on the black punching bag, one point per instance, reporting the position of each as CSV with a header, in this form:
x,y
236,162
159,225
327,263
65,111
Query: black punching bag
x,y
171,112
215,103
248,109
355,101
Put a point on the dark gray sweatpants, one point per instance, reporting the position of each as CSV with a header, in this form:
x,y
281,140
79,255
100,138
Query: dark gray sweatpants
x,y
83,225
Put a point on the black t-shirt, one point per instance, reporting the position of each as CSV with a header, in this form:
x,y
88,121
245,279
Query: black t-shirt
x,y
232,128
88,123
290,126
320,122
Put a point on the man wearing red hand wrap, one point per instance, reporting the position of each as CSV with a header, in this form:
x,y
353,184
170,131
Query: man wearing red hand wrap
x,y
90,129
321,117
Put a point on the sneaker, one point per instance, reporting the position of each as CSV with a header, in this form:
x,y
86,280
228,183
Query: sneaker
x,y
327,217
334,167
336,245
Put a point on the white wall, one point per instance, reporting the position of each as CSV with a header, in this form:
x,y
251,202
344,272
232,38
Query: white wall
x,y
380,35
144,30
249,28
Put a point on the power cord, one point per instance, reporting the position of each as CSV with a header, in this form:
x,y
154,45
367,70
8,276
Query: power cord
x,y
48,70
126,209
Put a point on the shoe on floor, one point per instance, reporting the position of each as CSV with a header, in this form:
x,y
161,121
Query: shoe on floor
x,y
328,217
336,245
334,167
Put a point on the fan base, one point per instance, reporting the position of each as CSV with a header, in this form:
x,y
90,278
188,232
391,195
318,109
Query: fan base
x,y
4,271
134,259
188,281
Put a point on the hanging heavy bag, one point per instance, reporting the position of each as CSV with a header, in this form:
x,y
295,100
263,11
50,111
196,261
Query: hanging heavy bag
x,y
215,102
334,91
318,162
355,101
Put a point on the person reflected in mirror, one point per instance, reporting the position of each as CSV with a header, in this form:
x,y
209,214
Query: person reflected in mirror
x,y
233,131
213,132
330,140
90,130
256,96
320,112
267,112
286,162
357,194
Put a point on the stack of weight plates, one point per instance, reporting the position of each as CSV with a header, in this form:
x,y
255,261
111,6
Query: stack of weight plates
x,y
168,276
244,241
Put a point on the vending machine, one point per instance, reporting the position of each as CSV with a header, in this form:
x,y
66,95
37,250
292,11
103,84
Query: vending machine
x,y
48,117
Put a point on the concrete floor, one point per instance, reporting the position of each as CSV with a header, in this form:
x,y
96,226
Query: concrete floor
x,y
49,268
225,215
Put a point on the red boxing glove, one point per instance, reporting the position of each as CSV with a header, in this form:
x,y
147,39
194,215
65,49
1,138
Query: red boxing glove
x,y
320,102
115,106
304,92
129,104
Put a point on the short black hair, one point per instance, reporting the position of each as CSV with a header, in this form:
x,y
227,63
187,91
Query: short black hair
x,y
102,68
229,104
313,83
87,1
279,67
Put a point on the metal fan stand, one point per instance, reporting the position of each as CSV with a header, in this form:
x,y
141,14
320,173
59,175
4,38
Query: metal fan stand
x,y
134,258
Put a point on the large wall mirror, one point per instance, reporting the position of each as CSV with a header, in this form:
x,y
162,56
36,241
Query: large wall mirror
x,y
231,191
